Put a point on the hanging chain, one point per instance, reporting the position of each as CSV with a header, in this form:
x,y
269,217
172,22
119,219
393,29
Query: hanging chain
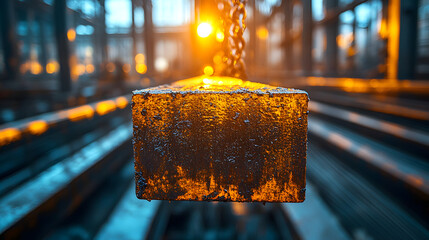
x,y
233,16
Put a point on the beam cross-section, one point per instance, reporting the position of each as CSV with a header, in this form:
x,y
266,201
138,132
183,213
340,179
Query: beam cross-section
x,y
221,139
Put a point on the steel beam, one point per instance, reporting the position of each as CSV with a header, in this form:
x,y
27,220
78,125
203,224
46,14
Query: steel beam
x,y
9,41
331,54
149,37
408,39
60,22
307,38
220,139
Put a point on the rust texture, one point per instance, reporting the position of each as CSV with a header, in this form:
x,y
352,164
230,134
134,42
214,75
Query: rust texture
x,y
220,138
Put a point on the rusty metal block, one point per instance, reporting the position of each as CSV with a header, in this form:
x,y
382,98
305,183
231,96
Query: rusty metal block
x,y
220,138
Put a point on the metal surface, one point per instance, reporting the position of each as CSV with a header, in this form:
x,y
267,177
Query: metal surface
x,y
220,139
24,210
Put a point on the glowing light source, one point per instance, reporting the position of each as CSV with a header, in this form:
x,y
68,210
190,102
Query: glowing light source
x,y
139,58
110,67
219,36
161,64
204,30
9,135
217,59
121,102
141,68
90,68
345,40
37,127
126,68
262,33
35,67
208,70
52,67
79,113
382,29
105,107
207,81
80,69
71,35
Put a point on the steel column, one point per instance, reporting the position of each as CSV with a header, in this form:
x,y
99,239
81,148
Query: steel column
x,y
8,35
60,12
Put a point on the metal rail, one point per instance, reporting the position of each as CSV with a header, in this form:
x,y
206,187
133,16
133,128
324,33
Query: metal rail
x,y
53,192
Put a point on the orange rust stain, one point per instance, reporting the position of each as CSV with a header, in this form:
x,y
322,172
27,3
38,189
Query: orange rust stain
x,y
185,134
282,193
194,189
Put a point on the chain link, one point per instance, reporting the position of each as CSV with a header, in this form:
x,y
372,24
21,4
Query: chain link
x,y
233,16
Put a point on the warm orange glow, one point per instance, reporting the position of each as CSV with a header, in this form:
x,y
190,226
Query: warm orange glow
x,y
126,68
359,84
90,68
24,67
145,82
52,67
239,209
105,107
9,135
79,113
217,83
415,180
217,59
141,68
262,33
393,21
110,67
121,102
345,40
37,127
71,35
140,58
204,30
382,29
80,69
35,67
73,62
208,70
219,36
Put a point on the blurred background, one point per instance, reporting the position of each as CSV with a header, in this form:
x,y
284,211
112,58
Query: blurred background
x,y
67,69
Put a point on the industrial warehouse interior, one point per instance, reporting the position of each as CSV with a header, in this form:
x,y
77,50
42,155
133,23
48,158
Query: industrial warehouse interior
x,y
83,155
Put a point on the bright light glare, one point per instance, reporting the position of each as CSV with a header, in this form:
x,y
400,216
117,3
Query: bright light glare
x,y
262,33
208,70
204,30
161,64
220,36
